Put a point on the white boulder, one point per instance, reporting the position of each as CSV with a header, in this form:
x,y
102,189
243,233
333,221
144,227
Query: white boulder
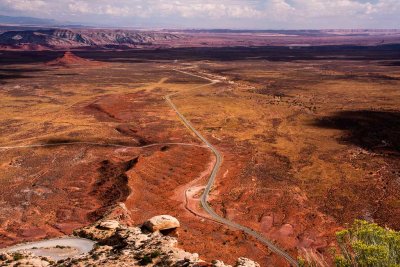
x,y
162,222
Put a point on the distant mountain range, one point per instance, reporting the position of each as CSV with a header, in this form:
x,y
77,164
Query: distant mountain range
x,y
22,23
27,21
80,38
317,33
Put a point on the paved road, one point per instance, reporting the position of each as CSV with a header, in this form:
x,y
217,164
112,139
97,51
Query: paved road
x,y
274,248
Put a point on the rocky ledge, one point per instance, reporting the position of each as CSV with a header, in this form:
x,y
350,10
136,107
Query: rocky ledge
x,y
153,244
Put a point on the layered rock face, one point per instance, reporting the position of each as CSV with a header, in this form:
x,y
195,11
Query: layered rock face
x,y
119,245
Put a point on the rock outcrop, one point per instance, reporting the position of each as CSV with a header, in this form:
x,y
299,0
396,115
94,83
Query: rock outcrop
x,y
109,225
119,245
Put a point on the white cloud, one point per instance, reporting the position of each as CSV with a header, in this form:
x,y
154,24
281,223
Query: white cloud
x,y
79,7
25,5
85,7
186,9
319,8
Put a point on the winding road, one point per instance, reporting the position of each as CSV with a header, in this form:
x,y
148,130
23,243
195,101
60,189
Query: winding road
x,y
204,198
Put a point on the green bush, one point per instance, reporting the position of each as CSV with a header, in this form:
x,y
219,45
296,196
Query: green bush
x,y
155,254
367,244
145,260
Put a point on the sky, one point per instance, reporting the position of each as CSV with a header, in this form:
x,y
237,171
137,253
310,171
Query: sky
x,y
234,14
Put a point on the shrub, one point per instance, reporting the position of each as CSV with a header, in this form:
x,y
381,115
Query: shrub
x,y
155,254
368,244
146,259
18,256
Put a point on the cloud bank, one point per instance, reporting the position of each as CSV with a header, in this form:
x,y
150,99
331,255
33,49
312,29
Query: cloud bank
x,y
263,14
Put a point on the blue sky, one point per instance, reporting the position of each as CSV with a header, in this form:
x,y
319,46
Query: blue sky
x,y
239,14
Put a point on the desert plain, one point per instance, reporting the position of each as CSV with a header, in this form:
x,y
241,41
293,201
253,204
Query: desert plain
x,y
309,138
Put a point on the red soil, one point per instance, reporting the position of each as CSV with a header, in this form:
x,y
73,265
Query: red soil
x,y
56,190
170,179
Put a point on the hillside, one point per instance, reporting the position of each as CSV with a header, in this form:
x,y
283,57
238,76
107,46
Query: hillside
x,y
69,59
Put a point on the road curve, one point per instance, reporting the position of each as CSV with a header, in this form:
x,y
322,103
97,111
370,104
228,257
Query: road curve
x,y
274,248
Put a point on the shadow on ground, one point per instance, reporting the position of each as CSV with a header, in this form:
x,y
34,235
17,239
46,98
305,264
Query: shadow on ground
x,y
377,131
271,53
11,74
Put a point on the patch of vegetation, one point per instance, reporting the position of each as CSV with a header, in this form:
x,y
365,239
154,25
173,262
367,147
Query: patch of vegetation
x,y
368,244
146,259
155,254
95,257
164,262
364,244
74,261
62,247
18,256
301,261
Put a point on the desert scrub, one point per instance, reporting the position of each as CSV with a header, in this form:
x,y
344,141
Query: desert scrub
x,y
18,256
145,260
364,244
62,247
368,244
155,254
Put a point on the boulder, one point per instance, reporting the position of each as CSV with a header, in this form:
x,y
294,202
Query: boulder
x,y
244,262
162,222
